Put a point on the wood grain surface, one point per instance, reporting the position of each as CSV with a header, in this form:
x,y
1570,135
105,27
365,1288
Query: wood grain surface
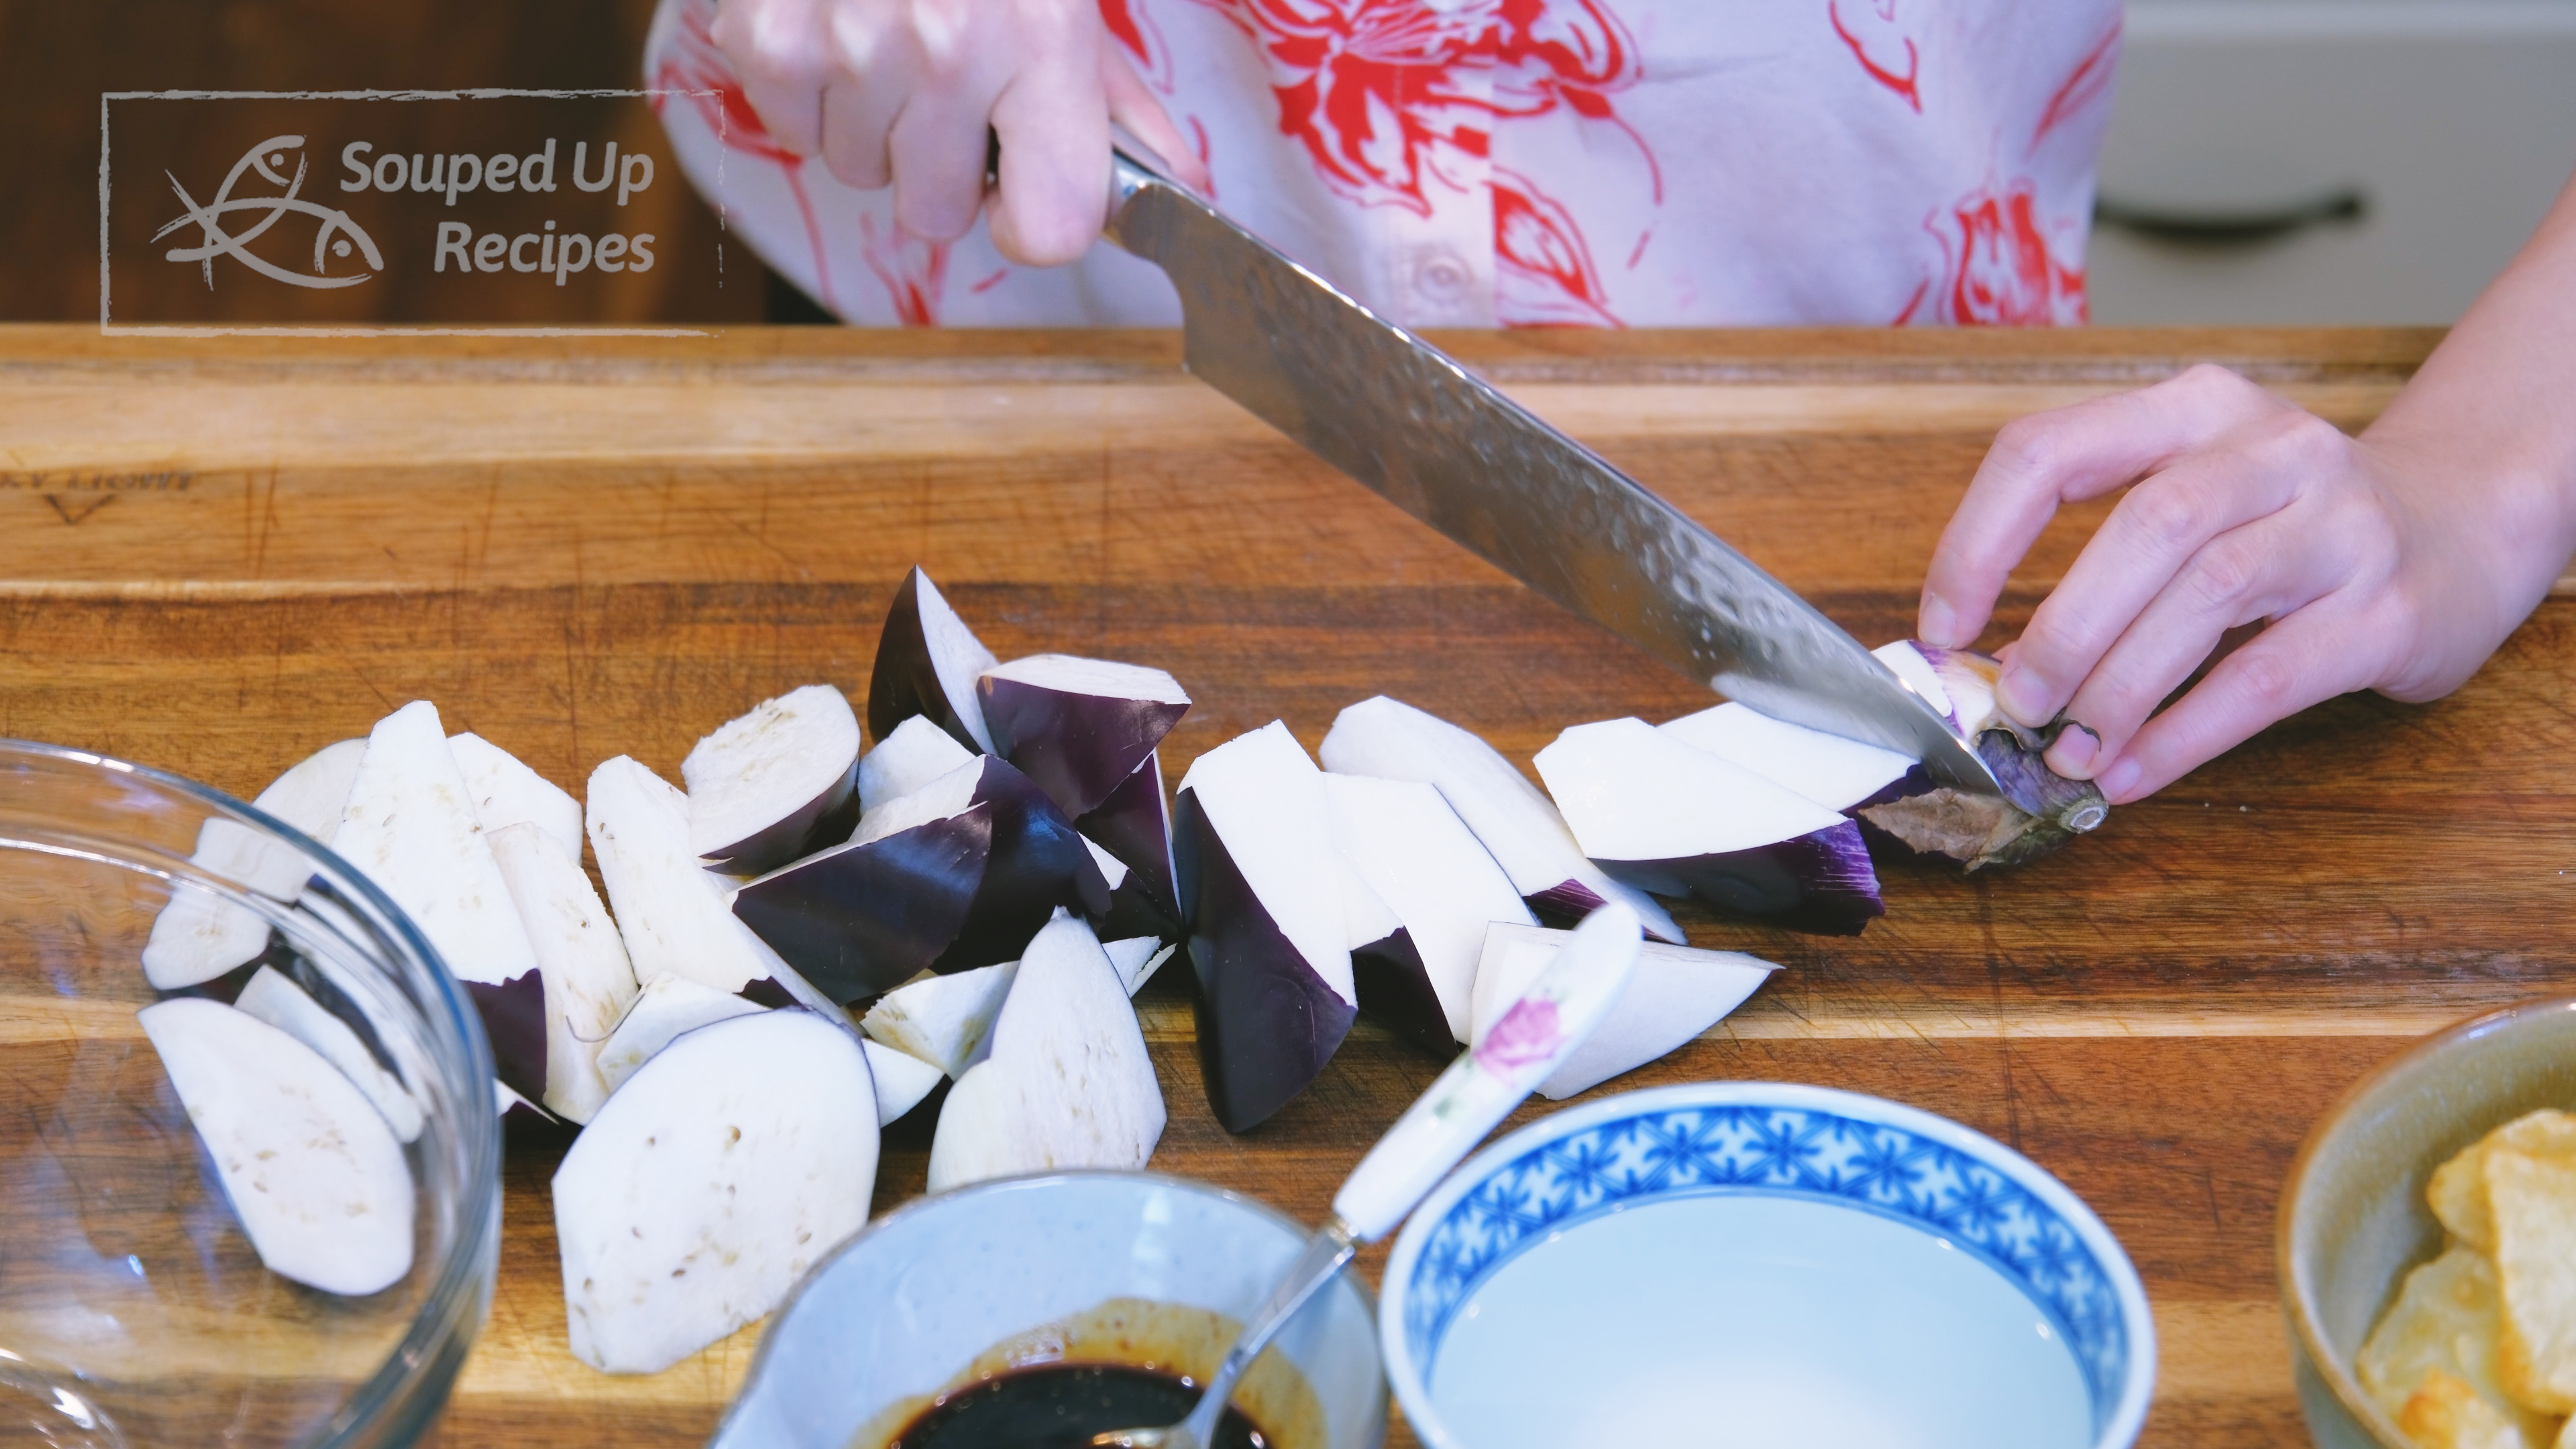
x,y
216,556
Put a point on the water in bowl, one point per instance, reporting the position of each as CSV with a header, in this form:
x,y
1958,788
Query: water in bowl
x,y
1755,1321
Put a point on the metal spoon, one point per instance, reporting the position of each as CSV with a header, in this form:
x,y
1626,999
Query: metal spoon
x,y
1475,1094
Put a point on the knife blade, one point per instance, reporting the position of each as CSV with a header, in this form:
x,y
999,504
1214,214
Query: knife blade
x,y
1411,423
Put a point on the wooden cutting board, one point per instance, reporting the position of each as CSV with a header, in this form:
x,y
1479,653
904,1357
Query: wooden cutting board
x,y
218,554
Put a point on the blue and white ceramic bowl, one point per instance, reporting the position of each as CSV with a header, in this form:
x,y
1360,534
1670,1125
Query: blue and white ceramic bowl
x,y
1758,1263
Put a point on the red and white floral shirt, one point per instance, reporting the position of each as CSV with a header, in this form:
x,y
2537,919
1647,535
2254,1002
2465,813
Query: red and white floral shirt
x,y
1462,163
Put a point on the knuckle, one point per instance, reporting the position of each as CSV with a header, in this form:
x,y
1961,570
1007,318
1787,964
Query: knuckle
x,y
2226,572
2027,448
2167,513
2265,678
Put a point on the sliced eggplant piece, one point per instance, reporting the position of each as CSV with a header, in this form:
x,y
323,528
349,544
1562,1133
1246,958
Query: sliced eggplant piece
x,y
1067,1084
671,911
1386,967
1405,841
1527,837
1263,889
1674,994
1836,773
927,664
946,1021
274,999
517,1111
588,983
902,1080
200,935
1138,958
1134,826
730,1163
312,1170
860,918
2041,809
410,826
1079,727
669,1008
917,753
506,792
775,783
1678,821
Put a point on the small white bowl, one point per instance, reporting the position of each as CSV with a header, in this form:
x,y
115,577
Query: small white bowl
x,y
1794,1264
900,1312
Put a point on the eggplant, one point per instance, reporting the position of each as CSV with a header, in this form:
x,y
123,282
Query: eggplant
x,y
732,1161
199,935
588,983
274,999
670,1008
1440,885
671,911
775,783
1078,727
927,664
1067,1083
1262,887
1527,837
506,792
516,1111
1138,958
1133,827
1665,817
916,753
902,1080
2041,810
1673,995
1839,774
312,1170
943,1020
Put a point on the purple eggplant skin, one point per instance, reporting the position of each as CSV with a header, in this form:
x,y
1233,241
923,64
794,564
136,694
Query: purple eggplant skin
x,y
1134,826
514,1019
1037,862
904,681
824,821
1565,904
864,920
1395,990
1820,882
1081,749
1267,1023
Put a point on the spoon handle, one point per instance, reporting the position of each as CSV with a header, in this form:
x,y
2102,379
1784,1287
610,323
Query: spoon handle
x,y
1316,1263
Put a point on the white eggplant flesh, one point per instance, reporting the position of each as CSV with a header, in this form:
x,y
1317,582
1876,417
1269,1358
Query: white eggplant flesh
x,y
1078,727
1669,818
1437,880
1836,773
672,912
946,1021
200,935
661,1013
1674,994
1138,958
589,984
916,753
1392,740
902,1080
506,792
410,826
732,1162
927,663
1917,673
274,999
1068,1083
1264,892
776,782
513,1108
313,1172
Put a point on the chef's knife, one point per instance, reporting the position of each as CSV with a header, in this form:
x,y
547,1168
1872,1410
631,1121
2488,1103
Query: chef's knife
x,y
1402,417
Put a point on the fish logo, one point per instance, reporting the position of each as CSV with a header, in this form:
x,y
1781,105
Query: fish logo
x,y
336,238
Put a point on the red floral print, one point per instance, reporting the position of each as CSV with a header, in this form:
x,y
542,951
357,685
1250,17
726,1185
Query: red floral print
x,y
2086,86
2001,270
914,272
1876,37
1543,272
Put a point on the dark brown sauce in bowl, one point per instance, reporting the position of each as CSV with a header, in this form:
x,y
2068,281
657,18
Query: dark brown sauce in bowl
x,y
1060,1406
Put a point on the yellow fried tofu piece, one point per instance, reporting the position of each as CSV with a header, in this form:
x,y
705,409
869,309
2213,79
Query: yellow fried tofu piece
x,y
2447,1414
2532,1200
2443,1322
2458,1191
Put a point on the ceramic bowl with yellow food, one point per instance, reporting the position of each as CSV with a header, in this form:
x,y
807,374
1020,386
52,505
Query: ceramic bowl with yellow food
x,y
2427,1242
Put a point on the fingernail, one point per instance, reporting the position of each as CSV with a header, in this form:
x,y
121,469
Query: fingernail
x,y
1937,621
2023,695
2120,779
2073,753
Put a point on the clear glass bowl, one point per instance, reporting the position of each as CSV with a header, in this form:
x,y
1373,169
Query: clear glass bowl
x,y
133,1311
